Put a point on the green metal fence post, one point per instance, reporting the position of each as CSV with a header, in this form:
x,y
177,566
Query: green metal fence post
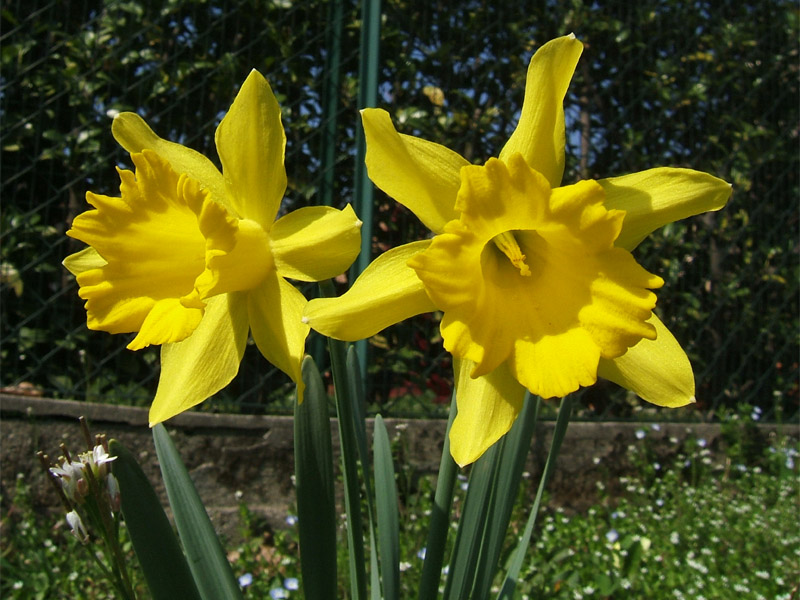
x,y
367,97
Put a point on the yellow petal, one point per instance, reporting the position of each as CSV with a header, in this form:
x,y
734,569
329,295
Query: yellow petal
x,y
657,370
487,408
316,242
659,196
276,311
420,175
85,260
387,292
539,135
251,144
133,134
205,362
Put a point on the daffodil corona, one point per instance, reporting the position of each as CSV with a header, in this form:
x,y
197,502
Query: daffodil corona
x,y
193,259
536,281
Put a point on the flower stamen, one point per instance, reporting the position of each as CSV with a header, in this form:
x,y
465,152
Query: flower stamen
x,y
508,245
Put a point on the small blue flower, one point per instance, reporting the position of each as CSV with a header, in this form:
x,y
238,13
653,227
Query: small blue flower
x,y
278,594
291,583
702,443
291,520
245,580
655,427
612,536
640,433
421,554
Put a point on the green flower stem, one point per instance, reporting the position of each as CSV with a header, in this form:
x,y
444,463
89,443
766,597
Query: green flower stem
x,y
349,447
101,512
562,421
440,517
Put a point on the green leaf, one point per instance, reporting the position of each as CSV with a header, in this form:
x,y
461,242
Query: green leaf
x,y
388,520
210,568
440,517
562,421
316,505
471,526
349,425
156,546
510,464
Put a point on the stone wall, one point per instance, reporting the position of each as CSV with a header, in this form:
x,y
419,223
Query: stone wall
x,y
226,454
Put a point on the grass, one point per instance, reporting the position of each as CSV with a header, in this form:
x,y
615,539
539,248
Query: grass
x,y
695,528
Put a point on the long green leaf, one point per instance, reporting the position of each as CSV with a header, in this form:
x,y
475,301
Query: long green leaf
x,y
562,421
510,464
358,407
440,517
316,503
388,518
348,442
156,546
471,526
210,568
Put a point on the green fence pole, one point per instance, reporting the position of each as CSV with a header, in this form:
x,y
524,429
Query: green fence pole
x,y
367,97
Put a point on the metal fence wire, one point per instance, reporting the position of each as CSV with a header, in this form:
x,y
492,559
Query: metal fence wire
x,y
707,85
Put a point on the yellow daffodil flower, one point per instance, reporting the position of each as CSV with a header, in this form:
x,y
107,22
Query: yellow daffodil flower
x,y
536,280
194,259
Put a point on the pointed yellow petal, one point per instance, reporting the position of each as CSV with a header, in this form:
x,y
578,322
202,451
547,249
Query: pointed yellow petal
x,y
315,242
487,408
133,134
251,144
659,196
420,175
540,135
85,260
205,362
657,370
276,312
387,292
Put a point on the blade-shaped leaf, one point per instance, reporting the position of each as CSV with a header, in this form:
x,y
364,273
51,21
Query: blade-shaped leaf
x,y
562,421
210,568
316,505
471,525
156,546
440,517
510,464
388,519
349,423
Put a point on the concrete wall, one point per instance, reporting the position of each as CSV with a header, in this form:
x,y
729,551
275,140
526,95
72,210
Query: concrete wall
x,y
226,454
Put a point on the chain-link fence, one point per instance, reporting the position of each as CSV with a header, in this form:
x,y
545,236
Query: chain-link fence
x,y
711,86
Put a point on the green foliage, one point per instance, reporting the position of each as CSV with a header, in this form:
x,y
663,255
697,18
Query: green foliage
x,y
41,560
707,85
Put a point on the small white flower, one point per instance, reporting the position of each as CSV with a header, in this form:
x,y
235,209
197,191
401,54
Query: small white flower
x,y
640,434
291,520
77,526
